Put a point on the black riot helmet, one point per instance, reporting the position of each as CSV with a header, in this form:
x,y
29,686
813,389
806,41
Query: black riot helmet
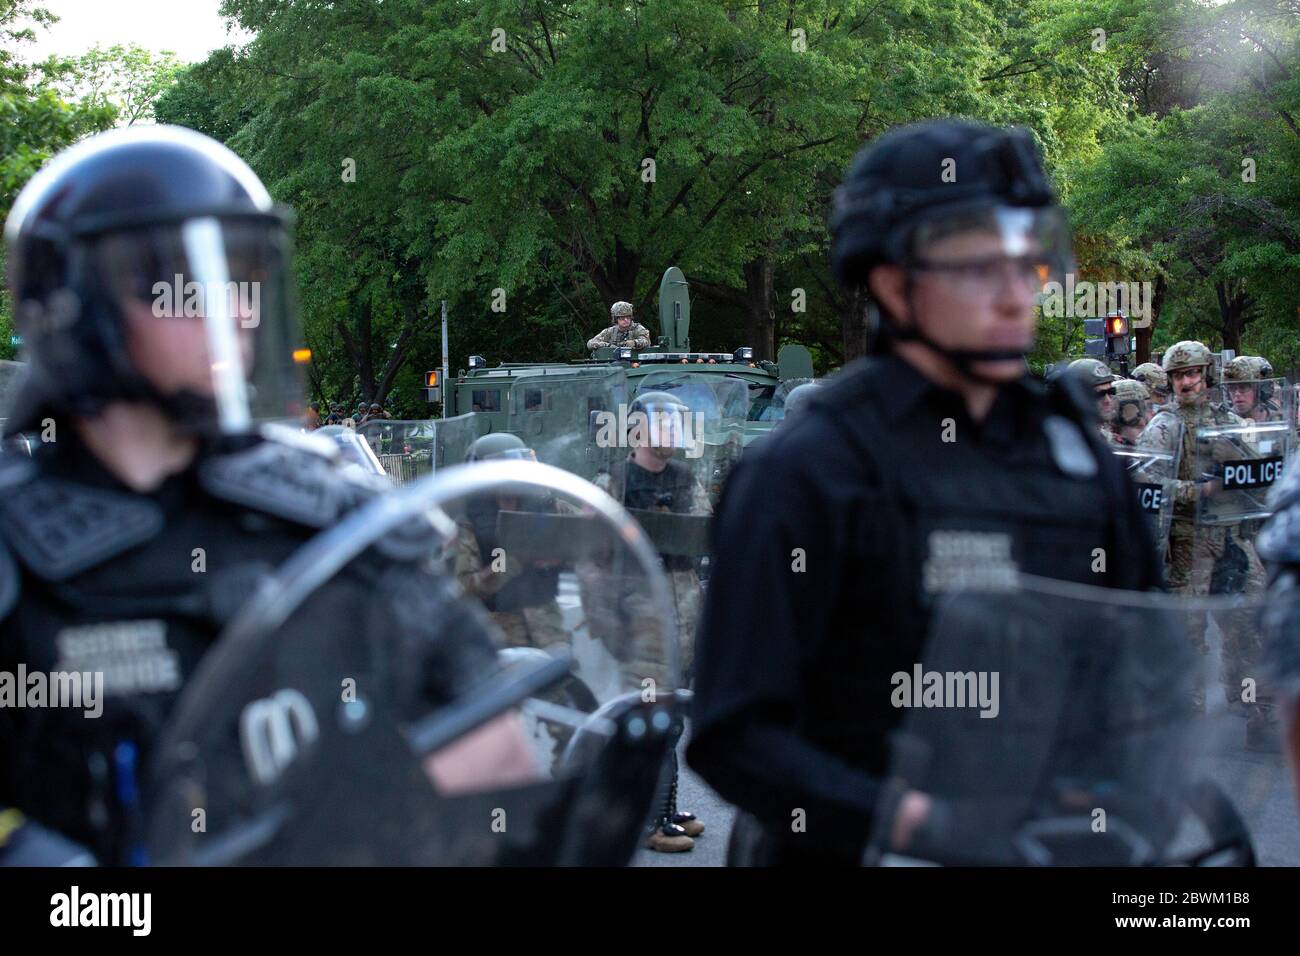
x,y
919,183
150,264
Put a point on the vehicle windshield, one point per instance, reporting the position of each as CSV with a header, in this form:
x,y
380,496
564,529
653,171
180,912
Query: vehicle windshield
x,y
761,406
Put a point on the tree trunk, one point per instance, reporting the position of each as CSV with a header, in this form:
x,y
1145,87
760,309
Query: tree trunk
x,y
1145,335
1234,304
853,324
760,313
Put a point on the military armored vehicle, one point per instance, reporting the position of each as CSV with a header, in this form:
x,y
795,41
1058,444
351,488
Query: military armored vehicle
x,y
496,392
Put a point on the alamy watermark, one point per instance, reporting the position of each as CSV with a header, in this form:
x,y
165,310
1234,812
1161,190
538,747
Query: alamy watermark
x,y
1094,300
923,688
180,298
658,429
37,689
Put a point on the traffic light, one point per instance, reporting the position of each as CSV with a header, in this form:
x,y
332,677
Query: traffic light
x,y
432,393
431,379
1106,338
1117,341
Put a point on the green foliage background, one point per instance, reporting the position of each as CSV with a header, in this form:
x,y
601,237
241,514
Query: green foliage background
x,y
563,154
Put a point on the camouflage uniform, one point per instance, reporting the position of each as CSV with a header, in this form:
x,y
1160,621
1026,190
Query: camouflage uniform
x,y
635,336
1200,554
644,638
540,625
1241,571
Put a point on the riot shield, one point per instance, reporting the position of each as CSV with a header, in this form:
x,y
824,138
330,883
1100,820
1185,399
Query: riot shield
x,y
1153,473
1055,724
405,449
362,708
719,408
670,475
560,414
453,436
1239,463
778,409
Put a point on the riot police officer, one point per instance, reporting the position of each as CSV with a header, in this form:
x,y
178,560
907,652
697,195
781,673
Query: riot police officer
x,y
1154,378
652,479
522,600
937,463
1208,553
137,532
1132,412
1096,375
1253,389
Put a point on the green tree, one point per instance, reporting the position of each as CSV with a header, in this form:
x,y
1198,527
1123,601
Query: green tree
x,y
36,120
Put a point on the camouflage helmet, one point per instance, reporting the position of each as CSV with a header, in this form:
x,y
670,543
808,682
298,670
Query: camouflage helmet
x,y
1189,354
1251,368
1152,376
499,445
1247,368
1130,401
1090,372
620,309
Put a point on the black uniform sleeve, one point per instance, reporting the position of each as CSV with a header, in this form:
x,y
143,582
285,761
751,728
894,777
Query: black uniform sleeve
x,y
763,623
1140,561
10,580
438,640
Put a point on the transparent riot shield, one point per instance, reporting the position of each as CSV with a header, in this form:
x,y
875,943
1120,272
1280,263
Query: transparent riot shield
x,y
1238,464
678,452
561,414
719,408
1057,724
779,408
362,708
1153,473
405,449
453,436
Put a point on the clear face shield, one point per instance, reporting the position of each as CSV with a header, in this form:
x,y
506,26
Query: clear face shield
x,y
662,428
979,250
208,319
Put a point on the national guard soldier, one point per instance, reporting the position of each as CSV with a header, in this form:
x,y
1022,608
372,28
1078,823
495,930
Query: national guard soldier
x,y
1096,376
1209,553
623,331
1252,390
935,465
1157,382
1132,412
522,600
130,540
1152,471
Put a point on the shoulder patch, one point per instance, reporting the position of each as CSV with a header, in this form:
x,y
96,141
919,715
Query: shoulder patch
x,y
59,528
287,482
